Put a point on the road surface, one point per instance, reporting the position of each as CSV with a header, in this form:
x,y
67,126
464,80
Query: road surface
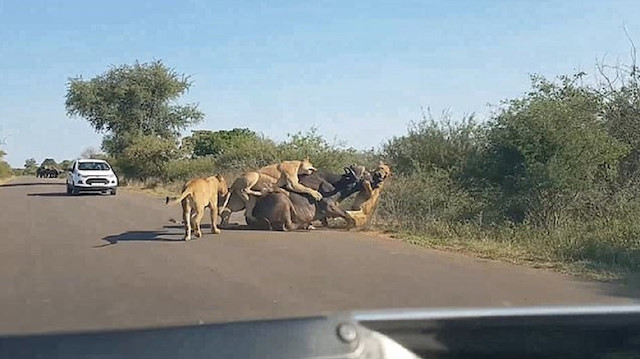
x,y
92,262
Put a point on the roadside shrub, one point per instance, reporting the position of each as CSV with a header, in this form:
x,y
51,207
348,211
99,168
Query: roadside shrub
x,y
435,144
323,154
247,155
5,169
185,169
539,181
548,148
205,143
146,157
417,201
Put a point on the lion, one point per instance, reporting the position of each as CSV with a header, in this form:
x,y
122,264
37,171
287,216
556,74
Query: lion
x,y
366,200
197,194
266,180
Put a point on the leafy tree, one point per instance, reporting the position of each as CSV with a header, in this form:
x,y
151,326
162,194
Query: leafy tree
x,y
435,144
147,156
66,165
132,101
50,162
30,163
619,90
5,169
548,148
323,154
213,143
30,166
246,155
91,152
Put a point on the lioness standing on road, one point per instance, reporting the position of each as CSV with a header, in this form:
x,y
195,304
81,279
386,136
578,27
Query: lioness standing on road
x,y
198,194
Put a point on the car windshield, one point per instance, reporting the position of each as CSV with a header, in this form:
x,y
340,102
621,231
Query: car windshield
x,y
93,166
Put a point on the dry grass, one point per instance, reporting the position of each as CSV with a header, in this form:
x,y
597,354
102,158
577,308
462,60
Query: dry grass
x,y
153,188
6,179
432,211
513,252
159,188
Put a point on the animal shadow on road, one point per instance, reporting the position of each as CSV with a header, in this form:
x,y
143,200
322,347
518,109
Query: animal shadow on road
x,y
230,227
628,286
32,184
133,236
244,227
208,226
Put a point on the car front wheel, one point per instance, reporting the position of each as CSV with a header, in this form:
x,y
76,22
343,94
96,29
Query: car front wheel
x,y
113,192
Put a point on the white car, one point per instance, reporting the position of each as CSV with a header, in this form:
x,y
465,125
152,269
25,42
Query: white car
x,y
91,175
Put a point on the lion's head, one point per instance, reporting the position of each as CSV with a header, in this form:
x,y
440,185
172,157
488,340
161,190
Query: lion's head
x,y
223,188
306,167
381,173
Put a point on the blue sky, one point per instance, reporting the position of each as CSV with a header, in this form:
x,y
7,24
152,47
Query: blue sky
x,y
359,70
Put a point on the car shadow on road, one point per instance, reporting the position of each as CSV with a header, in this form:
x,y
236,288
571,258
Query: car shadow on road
x,y
628,286
60,194
135,236
32,184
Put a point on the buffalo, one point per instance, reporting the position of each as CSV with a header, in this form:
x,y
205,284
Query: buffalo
x,y
344,185
285,210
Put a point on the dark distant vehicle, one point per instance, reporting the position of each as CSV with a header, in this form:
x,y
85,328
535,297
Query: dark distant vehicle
x,y
47,172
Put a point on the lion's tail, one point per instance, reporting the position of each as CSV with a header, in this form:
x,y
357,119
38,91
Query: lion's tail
x,y
184,195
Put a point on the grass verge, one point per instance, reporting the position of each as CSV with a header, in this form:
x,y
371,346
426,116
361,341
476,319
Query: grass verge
x,y
6,179
529,254
153,188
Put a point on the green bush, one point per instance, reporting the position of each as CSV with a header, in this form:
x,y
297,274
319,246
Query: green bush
x,y
547,149
248,155
323,155
417,201
185,169
213,143
5,170
146,157
30,167
435,144
539,181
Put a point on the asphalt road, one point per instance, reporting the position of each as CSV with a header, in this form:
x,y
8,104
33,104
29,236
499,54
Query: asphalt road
x,y
92,262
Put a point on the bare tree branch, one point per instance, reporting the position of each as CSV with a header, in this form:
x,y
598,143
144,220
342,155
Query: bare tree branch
x,y
602,71
633,51
3,140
